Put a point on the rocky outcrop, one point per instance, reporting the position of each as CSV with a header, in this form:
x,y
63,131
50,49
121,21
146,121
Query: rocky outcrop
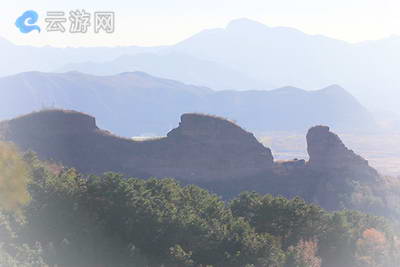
x,y
210,147
330,156
327,151
202,147
53,121
227,140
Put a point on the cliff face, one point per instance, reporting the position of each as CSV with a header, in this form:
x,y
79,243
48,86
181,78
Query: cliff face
x,y
201,147
327,151
221,138
328,154
209,147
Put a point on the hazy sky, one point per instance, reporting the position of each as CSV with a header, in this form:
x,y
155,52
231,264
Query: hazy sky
x,y
160,22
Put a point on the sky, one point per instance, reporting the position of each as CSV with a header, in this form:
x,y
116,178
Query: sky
x,y
165,22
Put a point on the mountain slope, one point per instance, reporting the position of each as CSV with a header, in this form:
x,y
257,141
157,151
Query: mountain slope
x,y
127,95
246,52
202,147
20,58
175,66
285,56
152,105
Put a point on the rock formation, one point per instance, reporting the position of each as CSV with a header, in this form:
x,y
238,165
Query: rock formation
x,y
208,151
202,147
328,153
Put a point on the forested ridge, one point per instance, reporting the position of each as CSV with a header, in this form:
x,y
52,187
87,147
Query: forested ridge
x,y
62,218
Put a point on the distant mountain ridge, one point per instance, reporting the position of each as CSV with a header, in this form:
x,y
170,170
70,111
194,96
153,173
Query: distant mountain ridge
x,y
175,66
244,55
152,105
22,58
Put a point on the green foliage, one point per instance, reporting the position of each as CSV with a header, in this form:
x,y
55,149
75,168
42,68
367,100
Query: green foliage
x,y
87,221
291,220
12,252
108,220
303,254
13,178
294,221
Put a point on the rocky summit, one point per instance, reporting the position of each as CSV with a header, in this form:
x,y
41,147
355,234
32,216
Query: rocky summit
x,y
328,154
202,147
326,150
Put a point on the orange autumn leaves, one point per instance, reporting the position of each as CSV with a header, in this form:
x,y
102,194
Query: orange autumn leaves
x,y
373,249
305,254
14,177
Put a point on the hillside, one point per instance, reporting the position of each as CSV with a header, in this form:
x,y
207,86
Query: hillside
x,y
134,104
176,66
213,153
23,58
111,220
287,56
135,97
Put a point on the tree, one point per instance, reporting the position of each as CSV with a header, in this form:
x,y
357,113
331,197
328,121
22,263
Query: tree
x,y
14,178
372,248
304,254
290,220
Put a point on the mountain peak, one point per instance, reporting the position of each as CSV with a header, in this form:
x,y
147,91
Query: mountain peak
x,y
200,125
54,120
334,87
244,24
327,151
335,90
202,147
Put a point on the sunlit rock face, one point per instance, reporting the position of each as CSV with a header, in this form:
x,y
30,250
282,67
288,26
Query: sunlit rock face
x,y
330,156
215,148
224,137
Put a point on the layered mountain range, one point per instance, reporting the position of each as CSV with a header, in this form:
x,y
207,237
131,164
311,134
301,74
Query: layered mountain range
x,y
134,104
212,152
244,55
